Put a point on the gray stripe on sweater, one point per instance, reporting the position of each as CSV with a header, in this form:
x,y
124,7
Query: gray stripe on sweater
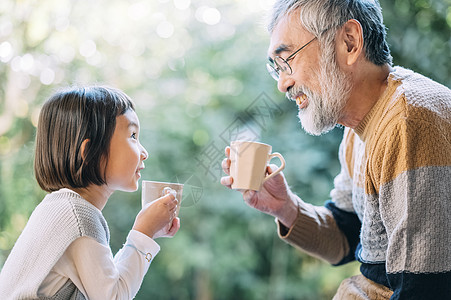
x,y
416,212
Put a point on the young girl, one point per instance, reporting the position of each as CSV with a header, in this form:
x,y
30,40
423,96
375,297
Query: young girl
x,y
87,147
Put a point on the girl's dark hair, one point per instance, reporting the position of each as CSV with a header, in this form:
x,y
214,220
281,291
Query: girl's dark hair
x,y
68,118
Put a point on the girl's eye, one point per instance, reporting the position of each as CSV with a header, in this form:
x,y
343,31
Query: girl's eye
x,y
133,136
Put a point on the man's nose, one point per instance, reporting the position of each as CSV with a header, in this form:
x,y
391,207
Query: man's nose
x,y
285,82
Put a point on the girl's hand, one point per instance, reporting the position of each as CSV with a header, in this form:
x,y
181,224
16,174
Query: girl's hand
x,y
158,218
169,230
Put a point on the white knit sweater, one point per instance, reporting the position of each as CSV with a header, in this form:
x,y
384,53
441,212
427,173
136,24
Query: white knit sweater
x,y
57,221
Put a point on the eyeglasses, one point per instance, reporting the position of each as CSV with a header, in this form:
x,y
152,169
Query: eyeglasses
x,y
281,65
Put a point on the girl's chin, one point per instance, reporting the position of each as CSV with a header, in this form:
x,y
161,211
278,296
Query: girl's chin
x,y
131,188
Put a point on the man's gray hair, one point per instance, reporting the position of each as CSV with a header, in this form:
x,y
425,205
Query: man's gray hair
x,y
316,16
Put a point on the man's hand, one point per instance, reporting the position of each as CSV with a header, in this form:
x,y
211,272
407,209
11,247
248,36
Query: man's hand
x,y
275,197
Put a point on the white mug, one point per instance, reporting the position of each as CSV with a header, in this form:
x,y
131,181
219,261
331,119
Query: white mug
x,y
152,190
248,164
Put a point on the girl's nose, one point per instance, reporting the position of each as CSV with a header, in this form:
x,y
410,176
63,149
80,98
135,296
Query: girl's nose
x,y
144,153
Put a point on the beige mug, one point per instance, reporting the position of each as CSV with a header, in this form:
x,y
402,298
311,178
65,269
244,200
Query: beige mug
x,y
248,164
152,190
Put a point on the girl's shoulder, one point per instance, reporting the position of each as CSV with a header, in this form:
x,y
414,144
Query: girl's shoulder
x,y
69,211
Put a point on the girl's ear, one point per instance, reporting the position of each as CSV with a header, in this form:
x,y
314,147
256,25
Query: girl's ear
x,y
83,148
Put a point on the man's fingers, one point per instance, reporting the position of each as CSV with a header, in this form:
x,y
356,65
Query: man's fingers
x,y
226,165
227,181
227,151
248,195
271,168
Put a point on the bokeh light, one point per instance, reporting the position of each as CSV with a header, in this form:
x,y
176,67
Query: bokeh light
x,y
6,51
193,68
88,48
165,29
208,15
47,76
182,4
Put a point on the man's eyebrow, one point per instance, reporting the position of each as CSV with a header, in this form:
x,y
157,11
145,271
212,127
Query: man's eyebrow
x,y
280,49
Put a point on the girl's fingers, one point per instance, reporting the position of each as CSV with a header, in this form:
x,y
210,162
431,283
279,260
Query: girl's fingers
x,y
170,198
175,226
171,203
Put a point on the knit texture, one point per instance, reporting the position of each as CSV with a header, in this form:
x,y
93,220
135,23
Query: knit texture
x,y
57,221
68,292
406,141
330,245
395,178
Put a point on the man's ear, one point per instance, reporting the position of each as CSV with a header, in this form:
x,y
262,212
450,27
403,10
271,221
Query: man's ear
x,y
351,41
83,149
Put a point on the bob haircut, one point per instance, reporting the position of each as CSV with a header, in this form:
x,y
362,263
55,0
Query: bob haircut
x,y
67,118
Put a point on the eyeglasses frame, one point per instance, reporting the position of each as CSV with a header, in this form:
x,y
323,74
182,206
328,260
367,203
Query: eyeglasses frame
x,y
275,70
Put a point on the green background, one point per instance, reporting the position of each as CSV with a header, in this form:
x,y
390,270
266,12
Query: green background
x,y
196,70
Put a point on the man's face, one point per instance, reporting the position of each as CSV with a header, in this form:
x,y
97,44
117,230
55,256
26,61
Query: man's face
x,y
317,84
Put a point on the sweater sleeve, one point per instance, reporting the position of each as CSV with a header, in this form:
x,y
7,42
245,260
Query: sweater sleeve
x,y
410,176
315,232
330,232
92,268
341,205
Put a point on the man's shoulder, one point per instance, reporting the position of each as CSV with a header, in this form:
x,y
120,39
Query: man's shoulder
x,y
421,91
417,100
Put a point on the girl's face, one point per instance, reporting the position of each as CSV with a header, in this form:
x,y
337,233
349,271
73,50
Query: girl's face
x,y
127,155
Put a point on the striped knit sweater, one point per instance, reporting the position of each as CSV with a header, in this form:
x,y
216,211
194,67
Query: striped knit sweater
x,y
391,204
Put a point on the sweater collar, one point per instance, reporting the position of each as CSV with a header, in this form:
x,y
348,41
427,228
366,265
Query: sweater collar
x,y
394,79
74,194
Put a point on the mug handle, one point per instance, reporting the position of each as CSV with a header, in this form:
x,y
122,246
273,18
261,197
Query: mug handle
x,y
282,166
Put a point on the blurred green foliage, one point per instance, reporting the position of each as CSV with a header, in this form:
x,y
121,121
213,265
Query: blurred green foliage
x,y
195,70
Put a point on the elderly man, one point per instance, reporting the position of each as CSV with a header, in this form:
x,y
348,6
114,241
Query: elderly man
x,y
391,204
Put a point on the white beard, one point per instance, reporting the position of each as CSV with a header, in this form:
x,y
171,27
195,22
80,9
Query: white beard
x,y
324,110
